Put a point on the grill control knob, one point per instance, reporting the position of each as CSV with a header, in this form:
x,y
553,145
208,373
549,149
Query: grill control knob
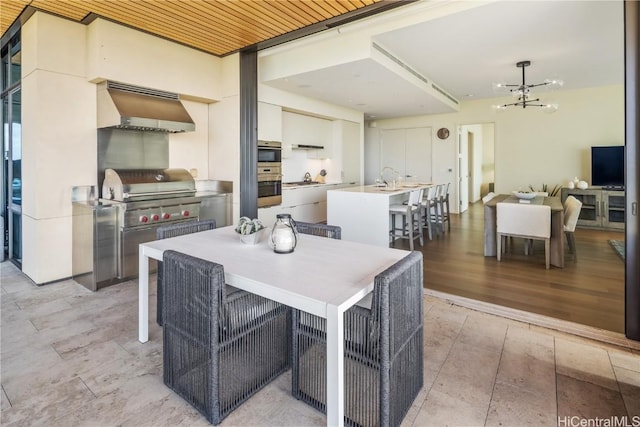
x,y
144,218
186,213
166,215
155,217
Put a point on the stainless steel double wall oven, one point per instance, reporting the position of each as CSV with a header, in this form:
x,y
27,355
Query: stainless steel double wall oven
x,y
269,173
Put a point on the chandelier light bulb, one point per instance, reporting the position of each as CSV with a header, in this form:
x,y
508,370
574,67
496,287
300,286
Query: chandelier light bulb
x,y
550,108
500,87
554,83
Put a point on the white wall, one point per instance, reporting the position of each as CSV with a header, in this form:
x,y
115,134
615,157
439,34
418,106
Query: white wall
x,y
59,141
530,147
61,60
123,54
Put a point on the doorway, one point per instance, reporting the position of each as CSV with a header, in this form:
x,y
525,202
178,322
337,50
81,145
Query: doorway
x,y
476,162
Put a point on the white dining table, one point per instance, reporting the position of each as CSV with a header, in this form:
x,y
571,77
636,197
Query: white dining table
x,y
322,276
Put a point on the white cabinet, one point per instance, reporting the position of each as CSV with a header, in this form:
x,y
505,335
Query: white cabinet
x,y
269,122
350,171
300,129
600,208
303,203
407,151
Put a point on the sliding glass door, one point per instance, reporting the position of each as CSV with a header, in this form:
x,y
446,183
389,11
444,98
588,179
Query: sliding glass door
x,y
11,169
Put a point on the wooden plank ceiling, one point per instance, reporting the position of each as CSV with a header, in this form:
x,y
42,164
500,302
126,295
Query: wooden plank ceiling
x,y
215,26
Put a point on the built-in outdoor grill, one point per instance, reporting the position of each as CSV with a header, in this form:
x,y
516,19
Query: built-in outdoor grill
x,y
149,198
139,190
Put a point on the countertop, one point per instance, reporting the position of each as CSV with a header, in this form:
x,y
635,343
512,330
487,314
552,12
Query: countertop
x,y
289,186
387,191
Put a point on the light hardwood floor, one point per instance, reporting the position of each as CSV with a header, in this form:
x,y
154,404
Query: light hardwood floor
x,y
588,291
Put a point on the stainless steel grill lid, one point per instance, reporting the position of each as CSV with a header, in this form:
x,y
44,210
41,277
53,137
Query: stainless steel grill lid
x,y
147,184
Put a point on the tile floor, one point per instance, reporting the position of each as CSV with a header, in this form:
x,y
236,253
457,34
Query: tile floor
x,y
70,357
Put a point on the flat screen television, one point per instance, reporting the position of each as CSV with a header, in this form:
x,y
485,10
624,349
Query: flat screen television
x,y
607,166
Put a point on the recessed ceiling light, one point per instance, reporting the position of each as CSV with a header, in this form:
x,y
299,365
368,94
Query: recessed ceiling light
x,y
469,95
304,86
361,104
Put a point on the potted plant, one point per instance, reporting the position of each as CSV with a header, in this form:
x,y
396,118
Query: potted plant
x,y
249,230
545,189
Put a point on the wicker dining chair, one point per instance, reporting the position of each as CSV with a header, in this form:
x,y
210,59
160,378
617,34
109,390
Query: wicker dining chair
x,y
173,230
218,349
383,361
323,230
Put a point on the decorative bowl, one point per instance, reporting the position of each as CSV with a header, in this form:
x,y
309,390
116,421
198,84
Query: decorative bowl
x,y
251,239
525,196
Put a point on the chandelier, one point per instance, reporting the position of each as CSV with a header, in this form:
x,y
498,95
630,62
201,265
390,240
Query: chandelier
x,y
522,92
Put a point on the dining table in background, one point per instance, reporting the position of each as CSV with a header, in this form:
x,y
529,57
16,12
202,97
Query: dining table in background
x,y
556,242
324,277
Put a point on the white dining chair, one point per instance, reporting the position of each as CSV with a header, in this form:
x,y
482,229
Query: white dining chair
x,y
572,208
411,214
525,221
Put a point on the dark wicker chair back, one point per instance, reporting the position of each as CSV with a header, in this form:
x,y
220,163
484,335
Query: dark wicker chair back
x,y
383,350
324,230
218,348
173,230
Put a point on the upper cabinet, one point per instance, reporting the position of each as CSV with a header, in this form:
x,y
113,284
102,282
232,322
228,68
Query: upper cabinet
x,y
302,130
348,136
269,122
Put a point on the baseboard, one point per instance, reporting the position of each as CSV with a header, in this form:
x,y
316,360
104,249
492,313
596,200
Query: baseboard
x,y
565,326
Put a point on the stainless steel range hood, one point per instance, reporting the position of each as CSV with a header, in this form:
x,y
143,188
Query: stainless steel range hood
x,y
131,107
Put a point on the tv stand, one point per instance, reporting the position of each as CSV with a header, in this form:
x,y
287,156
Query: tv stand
x,y
602,208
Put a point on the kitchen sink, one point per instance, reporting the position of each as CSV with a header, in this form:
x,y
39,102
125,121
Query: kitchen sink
x,y
301,183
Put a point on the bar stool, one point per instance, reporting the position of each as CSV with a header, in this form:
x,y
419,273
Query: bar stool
x,y
411,218
430,206
444,206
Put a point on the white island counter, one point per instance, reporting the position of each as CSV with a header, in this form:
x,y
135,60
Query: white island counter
x,y
363,211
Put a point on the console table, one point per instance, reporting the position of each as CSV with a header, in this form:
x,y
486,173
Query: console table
x,y
601,208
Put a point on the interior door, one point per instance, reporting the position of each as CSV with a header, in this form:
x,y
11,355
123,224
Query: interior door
x,y
418,154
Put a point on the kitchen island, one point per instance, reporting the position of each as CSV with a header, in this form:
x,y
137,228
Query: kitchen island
x,y
363,211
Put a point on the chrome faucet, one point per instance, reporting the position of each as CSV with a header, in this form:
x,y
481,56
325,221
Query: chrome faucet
x,y
393,176
307,177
